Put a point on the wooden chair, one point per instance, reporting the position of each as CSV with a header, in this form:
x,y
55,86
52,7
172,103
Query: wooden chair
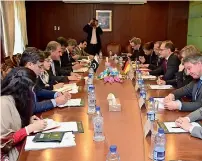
x,y
8,61
114,48
16,59
129,49
5,69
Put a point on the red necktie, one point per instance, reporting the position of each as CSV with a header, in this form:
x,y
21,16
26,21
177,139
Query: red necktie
x,y
165,65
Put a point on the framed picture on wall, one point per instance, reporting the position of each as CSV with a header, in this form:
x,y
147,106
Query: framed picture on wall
x,y
104,18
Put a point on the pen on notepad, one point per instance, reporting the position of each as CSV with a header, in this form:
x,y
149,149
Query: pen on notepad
x,y
176,127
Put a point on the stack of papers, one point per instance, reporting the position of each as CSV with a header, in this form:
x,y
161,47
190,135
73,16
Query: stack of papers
x,y
72,88
149,77
161,102
172,128
81,70
72,102
161,86
67,141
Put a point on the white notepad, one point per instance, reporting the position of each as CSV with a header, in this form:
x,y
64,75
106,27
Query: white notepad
x,y
65,126
72,102
161,86
161,102
171,126
72,88
67,141
149,77
81,70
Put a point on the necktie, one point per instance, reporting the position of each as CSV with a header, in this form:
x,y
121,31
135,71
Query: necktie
x,y
198,88
165,65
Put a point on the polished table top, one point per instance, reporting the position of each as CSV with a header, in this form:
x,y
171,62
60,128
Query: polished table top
x,y
125,129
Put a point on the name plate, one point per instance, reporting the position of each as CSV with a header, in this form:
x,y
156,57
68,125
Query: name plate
x,y
147,128
141,102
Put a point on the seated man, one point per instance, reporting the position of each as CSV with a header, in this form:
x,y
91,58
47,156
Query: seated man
x,y
181,78
150,59
56,66
185,123
193,66
33,59
79,50
170,64
137,49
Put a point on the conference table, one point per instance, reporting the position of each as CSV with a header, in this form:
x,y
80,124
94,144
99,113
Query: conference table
x,y
124,129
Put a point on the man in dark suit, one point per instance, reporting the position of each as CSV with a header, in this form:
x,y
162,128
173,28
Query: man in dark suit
x,y
57,69
170,64
181,78
137,49
33,59
193,66
93,38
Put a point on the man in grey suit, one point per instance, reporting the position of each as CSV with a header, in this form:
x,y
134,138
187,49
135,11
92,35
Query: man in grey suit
x,y
185,123
193,66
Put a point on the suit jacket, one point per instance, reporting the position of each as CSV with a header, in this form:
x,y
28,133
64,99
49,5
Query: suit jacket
x,y
195,116
151,59
41,106
180,80
157,63
172,68
61,71
80,52
137,53
66,60
88,29
190,91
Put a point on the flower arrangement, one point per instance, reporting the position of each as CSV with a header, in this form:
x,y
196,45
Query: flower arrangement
x,y
111,75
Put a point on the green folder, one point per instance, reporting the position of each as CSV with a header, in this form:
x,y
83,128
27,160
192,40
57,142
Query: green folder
x,y
49,137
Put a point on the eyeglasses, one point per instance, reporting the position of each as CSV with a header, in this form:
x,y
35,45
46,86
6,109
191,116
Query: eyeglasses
x,y
48,60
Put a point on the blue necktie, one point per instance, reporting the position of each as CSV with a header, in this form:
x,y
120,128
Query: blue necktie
x,y
198,89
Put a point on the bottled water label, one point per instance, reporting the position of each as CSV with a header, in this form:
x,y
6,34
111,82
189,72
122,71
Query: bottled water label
x,y
159,154
143,94
151,116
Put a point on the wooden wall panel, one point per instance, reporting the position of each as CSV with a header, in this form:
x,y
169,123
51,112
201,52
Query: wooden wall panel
x,y
178,23
151,22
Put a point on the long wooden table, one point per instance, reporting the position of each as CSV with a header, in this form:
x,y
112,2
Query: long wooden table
x,y
125,129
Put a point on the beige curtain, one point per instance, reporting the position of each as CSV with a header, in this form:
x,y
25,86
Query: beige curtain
x,y
8,24
21,16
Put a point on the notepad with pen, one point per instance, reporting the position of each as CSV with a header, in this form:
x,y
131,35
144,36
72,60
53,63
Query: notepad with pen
x,y
170,127
49,137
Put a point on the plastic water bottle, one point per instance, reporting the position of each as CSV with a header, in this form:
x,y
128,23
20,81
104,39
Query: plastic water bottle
x,y
159,146
91,99
90,80
151,108
139,77
120,61
98,122
143,93
151,118
91,71
113,155
100,54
